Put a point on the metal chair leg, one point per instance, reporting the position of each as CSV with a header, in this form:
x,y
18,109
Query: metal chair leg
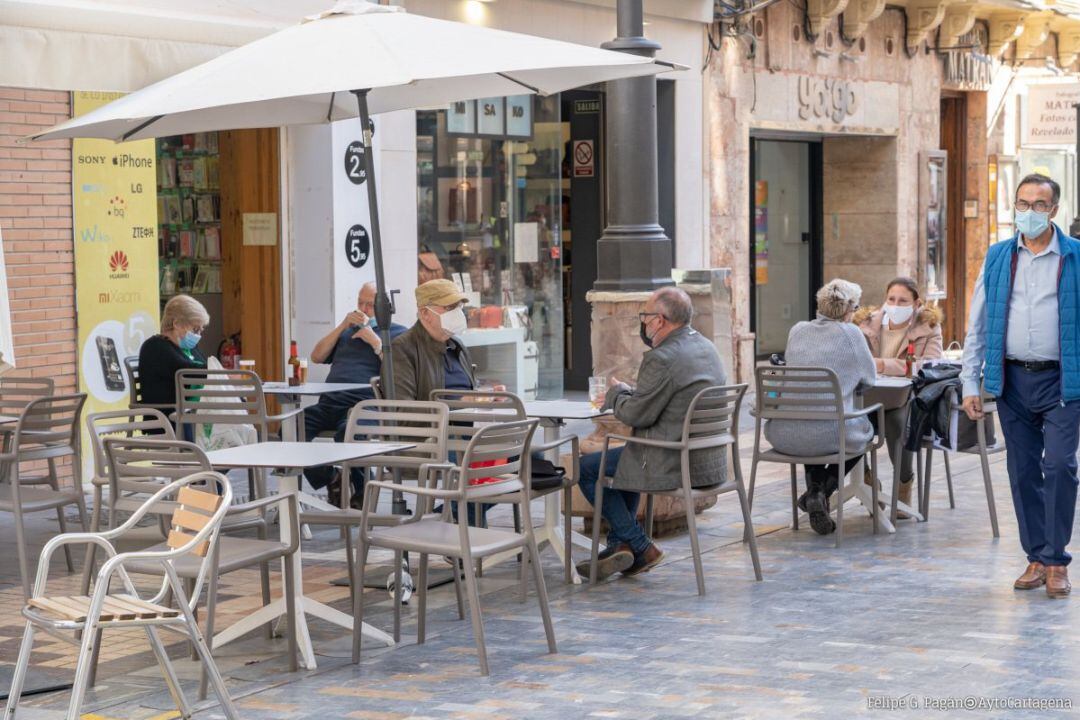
x,y
397,596
15,692
926,483
541,591
474,612
264,582
292,611
211,667
649,514
874,489
568,550
597,517
21,550
794,499
948,479
988,484
171,681
458,594
840,503
421,609
82,669
358,596
691,526
748,523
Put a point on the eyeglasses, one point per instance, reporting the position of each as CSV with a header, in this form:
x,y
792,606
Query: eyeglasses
x,y
644,316
1038,206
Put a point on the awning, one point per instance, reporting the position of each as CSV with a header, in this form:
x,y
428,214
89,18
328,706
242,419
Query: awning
x,y
123,45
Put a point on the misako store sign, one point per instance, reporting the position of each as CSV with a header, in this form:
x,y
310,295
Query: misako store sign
x,y
114,189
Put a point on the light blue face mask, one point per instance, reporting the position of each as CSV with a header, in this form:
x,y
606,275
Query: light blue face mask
x,y
1032,223
190,340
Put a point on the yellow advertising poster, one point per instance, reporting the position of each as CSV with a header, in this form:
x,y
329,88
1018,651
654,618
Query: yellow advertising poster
x,y
114,189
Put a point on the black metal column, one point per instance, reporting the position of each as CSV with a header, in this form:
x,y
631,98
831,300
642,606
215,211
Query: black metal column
x,y
633,252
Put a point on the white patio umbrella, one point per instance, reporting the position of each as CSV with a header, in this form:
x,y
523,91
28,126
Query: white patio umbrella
x,y
355,60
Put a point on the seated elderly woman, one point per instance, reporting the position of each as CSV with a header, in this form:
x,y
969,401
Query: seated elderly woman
x,y
829,341
176,348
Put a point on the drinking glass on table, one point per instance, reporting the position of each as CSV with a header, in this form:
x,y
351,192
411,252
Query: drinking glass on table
x,y
597,391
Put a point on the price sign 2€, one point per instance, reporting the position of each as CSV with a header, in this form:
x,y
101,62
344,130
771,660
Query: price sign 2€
x,y
357,246
354,163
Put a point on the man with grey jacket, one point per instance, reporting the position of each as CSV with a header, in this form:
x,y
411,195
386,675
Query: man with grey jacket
x,y
678,366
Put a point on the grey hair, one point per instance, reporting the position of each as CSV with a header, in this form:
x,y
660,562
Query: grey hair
x,y
183,310
674,304
837,298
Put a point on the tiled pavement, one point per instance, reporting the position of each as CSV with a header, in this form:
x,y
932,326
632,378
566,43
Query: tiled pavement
x,y
926,614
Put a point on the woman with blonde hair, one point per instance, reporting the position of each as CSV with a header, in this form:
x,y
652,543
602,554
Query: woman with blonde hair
x,y
903,322
832,342
175,348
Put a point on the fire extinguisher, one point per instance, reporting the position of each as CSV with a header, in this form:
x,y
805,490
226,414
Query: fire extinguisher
x,y
229,351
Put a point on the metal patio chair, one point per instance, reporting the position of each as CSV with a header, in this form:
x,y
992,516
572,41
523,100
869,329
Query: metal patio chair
x,y
193,538
471,410
147,463
505,444
811,394
47,430
712,421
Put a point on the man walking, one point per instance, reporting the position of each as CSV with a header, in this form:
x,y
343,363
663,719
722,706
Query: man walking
x,y
1024,339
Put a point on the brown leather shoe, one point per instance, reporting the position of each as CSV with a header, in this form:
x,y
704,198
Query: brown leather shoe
x,y
645,561
1057,581
1033,577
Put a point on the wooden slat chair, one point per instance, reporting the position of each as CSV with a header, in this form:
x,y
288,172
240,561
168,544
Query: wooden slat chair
x,y
506,445
193,535
47,430
712,422
149,461
420,423
135,396
471,410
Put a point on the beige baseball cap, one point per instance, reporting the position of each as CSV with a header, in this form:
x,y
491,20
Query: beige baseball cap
x,y
438,292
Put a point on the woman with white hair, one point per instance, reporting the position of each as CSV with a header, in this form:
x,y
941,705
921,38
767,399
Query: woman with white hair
x,y
176,348
829,341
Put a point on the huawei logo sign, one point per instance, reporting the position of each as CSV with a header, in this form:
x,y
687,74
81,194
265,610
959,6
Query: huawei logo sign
x,y
118,265
118,262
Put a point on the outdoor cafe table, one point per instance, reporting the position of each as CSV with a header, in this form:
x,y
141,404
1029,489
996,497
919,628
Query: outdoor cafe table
x,y
297,455
553,415
858,489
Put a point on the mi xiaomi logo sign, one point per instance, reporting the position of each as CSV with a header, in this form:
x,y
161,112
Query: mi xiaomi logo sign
x,y
114,296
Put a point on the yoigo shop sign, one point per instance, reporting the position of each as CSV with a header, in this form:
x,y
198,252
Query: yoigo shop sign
x,y
116,283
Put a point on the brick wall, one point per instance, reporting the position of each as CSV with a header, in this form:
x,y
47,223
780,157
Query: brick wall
x,y
36,223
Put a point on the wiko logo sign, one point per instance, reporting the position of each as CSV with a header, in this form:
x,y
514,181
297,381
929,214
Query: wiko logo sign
x,y
95,234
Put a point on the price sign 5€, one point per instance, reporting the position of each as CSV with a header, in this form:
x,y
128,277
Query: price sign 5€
x,y
357,246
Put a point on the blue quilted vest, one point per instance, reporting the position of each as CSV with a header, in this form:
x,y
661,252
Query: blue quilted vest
x,y
997,280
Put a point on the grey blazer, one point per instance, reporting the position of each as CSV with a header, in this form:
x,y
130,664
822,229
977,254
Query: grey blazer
x,y
683,365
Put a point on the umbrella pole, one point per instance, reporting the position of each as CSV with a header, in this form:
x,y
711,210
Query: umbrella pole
x,y
384,306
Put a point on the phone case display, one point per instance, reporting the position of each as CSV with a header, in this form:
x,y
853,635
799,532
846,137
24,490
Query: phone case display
x,y
189,214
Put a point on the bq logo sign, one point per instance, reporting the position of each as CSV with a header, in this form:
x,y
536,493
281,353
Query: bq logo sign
x,y
118,265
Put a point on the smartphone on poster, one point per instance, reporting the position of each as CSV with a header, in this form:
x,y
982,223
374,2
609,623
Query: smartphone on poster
x,y
110,363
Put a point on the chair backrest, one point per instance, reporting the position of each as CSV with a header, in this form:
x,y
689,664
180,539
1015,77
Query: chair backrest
x,y
497,453
376,388
131,362
198,503
421,423
798,393
18,390
713,417
140,466
124,423
48,427
213,397
472,410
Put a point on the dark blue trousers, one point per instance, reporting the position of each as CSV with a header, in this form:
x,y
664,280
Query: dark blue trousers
x,y
1041,434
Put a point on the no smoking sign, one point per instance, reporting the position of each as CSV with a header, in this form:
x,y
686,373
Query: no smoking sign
x,y
584,159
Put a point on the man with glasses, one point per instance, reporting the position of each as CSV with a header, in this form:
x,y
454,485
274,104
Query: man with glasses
x,y
1023,339
355,352
680,364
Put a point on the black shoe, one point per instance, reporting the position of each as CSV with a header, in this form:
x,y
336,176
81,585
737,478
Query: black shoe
x,y
645,561
614,559
817,505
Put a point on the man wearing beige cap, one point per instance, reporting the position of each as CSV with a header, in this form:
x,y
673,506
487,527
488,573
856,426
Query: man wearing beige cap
x,y
429,356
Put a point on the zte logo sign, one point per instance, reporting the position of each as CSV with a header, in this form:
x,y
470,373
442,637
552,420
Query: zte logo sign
x,y
118,262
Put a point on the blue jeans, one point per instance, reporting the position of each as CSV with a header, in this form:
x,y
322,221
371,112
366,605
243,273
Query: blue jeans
x,y
620,506
1041,434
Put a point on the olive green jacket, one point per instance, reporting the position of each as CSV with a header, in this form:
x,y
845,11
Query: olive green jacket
x,y
419,363
671,374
